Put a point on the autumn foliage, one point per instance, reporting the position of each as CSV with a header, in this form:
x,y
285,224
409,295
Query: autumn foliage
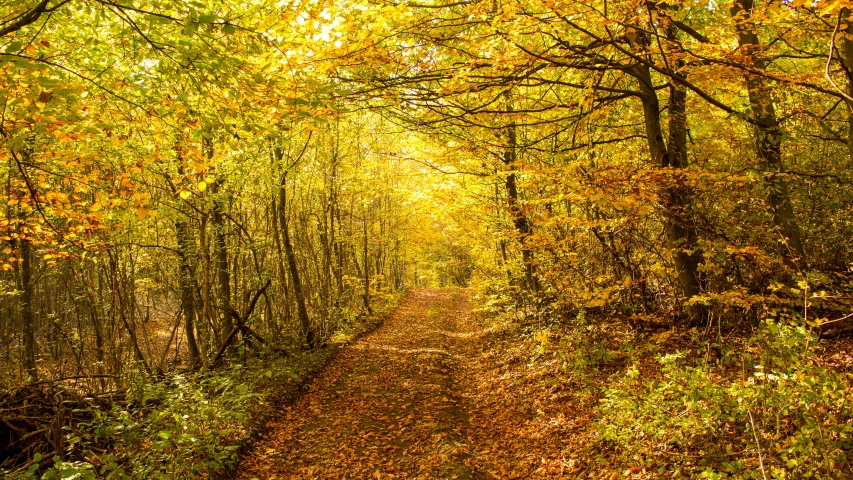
x,y
638,191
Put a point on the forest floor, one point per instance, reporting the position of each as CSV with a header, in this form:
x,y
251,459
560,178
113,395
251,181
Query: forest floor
x,y
429,394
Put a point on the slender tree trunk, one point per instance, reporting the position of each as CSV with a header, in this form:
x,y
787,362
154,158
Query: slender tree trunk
x,y
326,242
208,311
847,59
27,288
220,256
282,259
187,289
85,291
335,220
119,306
186,279
339,248
768,134
27,318
301,309
366,262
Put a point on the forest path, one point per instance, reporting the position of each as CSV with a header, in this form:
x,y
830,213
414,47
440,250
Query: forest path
x,y
394,404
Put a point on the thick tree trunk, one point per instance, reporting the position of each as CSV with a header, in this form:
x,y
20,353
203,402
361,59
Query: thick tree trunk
x,y
681,234
768,146
681,230
519,219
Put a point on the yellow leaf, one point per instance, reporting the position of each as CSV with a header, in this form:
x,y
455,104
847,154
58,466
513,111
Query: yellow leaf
x,y
836,5
184,194
202,186
141,213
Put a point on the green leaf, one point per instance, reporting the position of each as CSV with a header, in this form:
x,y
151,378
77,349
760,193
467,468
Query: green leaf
x,y
190,27
14,46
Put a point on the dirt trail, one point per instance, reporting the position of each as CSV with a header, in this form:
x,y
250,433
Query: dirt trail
x,y
395,404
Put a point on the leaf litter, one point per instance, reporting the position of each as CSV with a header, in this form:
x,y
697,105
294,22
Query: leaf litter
x,y
430,394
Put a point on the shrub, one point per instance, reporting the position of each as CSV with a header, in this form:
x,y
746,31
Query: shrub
x,y
779,409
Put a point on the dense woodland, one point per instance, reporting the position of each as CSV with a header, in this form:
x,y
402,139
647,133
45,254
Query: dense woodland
x,y
657,194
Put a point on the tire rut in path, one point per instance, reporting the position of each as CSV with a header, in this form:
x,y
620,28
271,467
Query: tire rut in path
x,y
390,405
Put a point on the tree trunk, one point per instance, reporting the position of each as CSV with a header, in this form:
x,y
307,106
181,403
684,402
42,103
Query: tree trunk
x,y
119,305
208,310
187,289
339,248
220,255
86,291
282,259
27,318
767,132
847,59
519,219
681,232
301,309
366,293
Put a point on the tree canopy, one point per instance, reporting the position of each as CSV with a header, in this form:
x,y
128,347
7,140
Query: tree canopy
x,y
183,179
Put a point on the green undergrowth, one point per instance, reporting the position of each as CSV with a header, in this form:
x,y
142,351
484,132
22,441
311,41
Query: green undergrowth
x,y
198,425
768,406
774,402
193,425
